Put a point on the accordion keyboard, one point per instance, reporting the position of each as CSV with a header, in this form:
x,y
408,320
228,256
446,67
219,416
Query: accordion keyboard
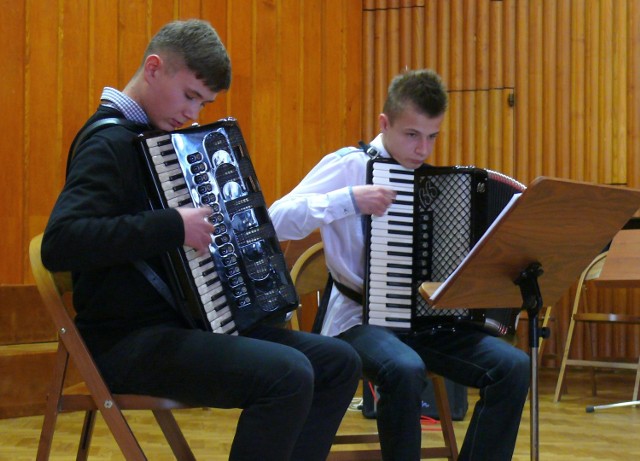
x,y
438,215
390,296
202,268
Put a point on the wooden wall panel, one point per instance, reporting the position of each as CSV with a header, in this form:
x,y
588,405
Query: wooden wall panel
x,y
12,142
42,134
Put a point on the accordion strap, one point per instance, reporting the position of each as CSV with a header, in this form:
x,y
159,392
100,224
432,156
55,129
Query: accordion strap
x,y
369,150
349,293
155,280
98,125
324,301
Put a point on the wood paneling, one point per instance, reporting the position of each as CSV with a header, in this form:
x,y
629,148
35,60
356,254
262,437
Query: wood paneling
x,y
12,142
23,318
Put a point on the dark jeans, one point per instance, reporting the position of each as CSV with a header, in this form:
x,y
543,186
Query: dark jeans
x,y
471,358
293,387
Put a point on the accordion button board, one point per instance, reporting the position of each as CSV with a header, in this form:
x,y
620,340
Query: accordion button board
x,y
243,278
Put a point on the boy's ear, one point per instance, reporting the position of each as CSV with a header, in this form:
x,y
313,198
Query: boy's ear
x,y
152,64
383,122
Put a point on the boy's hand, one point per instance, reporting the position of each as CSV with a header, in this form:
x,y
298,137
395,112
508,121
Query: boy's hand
x,y
197,228
373,200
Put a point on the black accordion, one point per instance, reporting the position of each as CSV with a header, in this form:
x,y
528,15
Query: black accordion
x,y
437,217
243,278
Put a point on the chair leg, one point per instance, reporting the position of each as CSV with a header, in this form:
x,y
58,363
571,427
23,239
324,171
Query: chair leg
x,y
545,322
560,387
442,404
53,404
592,371
85,436
121,431
174,435
637,385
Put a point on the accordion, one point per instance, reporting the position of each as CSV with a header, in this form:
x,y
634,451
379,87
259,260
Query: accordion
x,y
438,215
243,278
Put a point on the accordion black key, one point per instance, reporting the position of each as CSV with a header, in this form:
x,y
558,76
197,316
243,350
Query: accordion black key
x,y
438,215
243,278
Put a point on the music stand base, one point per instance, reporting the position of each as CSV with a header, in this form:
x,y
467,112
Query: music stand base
x,y
592,408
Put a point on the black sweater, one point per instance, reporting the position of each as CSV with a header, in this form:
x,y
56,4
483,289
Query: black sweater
x,y
101,223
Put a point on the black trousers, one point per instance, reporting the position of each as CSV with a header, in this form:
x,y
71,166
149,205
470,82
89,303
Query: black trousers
x,y
293,387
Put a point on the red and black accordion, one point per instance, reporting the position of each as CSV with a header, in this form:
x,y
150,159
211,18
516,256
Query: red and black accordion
x,y
438,215
243,278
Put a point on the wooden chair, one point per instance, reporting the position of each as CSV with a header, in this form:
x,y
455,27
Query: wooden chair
x,y
93,395
309,274
583,312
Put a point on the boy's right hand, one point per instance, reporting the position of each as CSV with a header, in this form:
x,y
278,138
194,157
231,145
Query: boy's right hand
x,y
197,227
373,200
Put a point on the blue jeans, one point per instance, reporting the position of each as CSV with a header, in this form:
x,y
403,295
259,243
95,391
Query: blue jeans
x,y
398,367
293,387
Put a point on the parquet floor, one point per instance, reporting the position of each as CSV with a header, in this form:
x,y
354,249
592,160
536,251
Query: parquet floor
x,y
566,431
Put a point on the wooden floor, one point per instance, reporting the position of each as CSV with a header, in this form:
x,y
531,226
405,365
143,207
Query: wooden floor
x,y
566,431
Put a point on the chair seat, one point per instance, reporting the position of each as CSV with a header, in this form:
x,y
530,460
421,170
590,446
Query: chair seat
x,y
607,318
80,393
84,402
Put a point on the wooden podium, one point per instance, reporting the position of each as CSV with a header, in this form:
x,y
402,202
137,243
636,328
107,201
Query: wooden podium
x,y
555,227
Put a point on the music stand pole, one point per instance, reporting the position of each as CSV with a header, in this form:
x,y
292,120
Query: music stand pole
x,y
532,302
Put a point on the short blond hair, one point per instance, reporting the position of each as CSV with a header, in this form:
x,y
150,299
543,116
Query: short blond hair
x,y
423,89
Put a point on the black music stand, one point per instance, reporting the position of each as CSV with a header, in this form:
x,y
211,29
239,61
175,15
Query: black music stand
x,y
556,227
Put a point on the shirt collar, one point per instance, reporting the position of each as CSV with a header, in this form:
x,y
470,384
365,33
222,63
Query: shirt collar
x,y
130,109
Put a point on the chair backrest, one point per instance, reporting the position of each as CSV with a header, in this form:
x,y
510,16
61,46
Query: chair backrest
x,y
594,268
309,272
309,275
589,274
54,289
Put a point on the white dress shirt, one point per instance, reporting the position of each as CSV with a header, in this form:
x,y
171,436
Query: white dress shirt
x,y
324,200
